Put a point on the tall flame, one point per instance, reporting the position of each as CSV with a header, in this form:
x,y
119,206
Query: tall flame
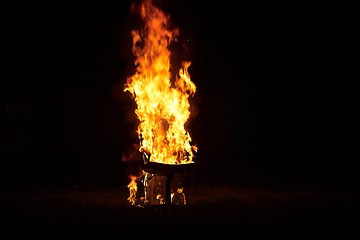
x,y
162,103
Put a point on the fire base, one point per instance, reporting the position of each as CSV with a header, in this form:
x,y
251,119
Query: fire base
x,y
166,184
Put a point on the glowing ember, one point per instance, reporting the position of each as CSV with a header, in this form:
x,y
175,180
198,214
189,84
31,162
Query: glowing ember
x,y
162,102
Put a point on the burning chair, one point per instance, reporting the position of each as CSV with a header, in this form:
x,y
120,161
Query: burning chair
x,y
162,110
159,175
154,183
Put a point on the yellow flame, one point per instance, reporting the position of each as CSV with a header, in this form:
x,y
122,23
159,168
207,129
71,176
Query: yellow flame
x,y
162,104
132,189
160,198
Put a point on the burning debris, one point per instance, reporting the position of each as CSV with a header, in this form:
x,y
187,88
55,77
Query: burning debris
x,y
165,150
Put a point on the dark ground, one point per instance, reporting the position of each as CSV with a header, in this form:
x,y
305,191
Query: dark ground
x,y
228,211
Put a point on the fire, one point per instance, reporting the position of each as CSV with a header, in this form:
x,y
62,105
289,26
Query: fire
x,y
162,103
133,189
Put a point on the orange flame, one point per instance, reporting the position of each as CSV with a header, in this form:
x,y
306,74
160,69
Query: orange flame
x,y
162,104
132,189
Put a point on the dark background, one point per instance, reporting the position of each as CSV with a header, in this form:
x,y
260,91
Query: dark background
x,y
275,103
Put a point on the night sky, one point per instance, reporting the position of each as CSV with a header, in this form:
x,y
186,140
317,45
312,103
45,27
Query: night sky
x,y
274,105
